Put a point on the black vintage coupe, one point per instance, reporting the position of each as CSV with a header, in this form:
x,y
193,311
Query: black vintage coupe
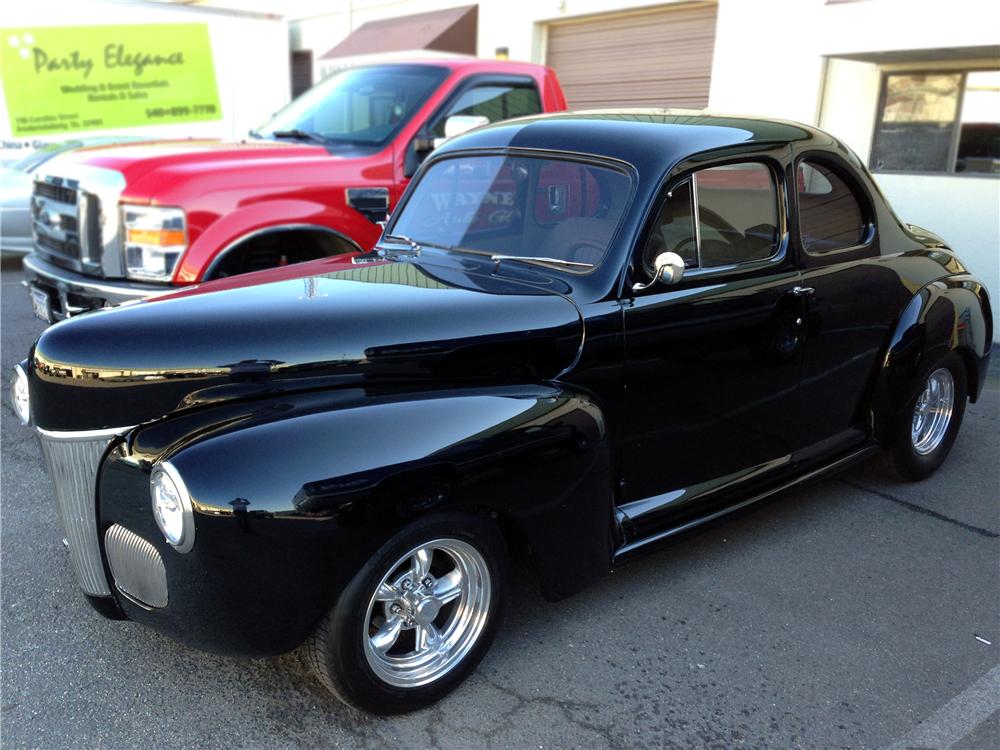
x,y
580,334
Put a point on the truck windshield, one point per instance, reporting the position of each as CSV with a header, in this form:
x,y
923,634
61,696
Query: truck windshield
x,y
517,206
361,105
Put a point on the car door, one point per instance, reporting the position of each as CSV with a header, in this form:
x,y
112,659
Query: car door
x,y
853,300
712,362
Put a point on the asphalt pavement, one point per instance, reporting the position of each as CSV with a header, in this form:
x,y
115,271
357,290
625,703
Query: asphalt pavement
x,y
861,612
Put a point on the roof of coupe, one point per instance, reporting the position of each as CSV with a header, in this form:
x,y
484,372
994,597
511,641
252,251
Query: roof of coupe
x,y
647,136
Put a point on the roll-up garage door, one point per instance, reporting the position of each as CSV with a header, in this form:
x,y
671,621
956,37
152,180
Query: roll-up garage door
x,y
660,58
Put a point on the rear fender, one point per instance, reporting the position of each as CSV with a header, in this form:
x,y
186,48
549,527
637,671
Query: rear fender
x,y
947,315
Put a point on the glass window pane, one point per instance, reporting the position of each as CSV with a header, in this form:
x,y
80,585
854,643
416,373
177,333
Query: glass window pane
x,y
737,214
917,122
830,217
979,141
517,205
494,103
360,105
674,230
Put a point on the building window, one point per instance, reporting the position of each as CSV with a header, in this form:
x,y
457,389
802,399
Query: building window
x,y
944,122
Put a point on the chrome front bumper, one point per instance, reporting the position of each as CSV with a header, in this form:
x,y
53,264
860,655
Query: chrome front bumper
x,y
72,293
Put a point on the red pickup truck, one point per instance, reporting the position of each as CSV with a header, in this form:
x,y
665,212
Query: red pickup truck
x,y
121,223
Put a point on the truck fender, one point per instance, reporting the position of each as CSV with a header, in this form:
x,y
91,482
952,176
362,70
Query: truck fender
x,y
254,219
946,315
302,489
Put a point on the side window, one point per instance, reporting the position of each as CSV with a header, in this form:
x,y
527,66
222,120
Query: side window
x,y
674,229
494,103
830,217
737,214
719,216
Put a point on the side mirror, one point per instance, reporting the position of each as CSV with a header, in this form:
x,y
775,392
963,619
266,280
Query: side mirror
x,y
458,124
669,268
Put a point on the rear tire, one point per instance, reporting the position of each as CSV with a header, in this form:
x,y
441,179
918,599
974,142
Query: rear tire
x,y
922,434
417,618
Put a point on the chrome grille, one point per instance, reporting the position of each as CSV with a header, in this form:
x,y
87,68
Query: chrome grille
x,y
136,566
56,192
73,459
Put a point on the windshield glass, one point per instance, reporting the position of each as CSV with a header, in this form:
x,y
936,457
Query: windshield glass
x,y
37,158
517,205
359,105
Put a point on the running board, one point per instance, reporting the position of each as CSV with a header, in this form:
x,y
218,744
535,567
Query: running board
x,y
632,548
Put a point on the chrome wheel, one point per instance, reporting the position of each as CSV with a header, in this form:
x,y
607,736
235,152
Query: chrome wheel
x,y
427,613
932,413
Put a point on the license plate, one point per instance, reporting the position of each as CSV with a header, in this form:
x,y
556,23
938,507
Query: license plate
x,y
41,304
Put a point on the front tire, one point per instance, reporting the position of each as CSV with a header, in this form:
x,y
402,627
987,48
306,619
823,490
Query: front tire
x,y
924,432
417,618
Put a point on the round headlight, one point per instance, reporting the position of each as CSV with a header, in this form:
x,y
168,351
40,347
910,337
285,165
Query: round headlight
x,y
172,506
19,399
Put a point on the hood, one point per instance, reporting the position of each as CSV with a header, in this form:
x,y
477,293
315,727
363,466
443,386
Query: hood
x,y
158,163
379,325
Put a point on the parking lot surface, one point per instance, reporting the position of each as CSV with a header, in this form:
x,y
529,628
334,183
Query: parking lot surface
x,y
861,612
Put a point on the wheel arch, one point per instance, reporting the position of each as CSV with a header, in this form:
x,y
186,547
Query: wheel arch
x,y
327,238
946,315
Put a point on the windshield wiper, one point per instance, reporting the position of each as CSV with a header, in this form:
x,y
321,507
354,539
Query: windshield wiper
x,y
300,134
540,259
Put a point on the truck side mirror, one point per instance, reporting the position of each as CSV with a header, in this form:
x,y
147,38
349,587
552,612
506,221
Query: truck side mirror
x,y
422,145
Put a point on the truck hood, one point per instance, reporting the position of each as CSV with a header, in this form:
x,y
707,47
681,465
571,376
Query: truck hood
x,y
396,324
141,160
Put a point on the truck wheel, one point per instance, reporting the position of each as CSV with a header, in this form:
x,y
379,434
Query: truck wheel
x,y
925,431
417,618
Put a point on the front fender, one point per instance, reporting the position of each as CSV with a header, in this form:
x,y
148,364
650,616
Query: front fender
x,y
252,218
947,315
293,494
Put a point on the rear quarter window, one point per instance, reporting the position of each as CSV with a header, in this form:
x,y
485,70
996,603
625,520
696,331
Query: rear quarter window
x,y
830,215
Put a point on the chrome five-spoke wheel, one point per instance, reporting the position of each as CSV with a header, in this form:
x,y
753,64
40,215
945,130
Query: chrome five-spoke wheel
x,y
932,412
427,612
417,618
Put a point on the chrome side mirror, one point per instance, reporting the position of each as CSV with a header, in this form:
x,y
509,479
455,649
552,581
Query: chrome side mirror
x,y
458,124
669,268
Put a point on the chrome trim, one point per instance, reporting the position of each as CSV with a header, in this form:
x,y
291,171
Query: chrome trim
x,y
83,283
107,185
187,534
73,460
136,567
207,275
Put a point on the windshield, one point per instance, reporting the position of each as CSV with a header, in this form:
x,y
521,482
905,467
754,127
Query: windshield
x,y
518,206
359,105
37,158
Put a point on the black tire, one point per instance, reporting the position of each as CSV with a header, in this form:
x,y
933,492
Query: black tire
x,y
911,464
339,652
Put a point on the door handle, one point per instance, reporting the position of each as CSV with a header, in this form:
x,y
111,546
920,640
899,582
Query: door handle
x,y
802,291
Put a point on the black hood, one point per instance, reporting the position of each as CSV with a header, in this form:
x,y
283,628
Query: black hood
x,y
381,325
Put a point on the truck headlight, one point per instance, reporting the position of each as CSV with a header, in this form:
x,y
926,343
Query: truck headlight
x,y
155,238
19,400
172,506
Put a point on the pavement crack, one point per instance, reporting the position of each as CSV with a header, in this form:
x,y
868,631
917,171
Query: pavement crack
x,y
921,509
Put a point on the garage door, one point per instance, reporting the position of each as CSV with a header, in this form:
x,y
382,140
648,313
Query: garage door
x,y
661,58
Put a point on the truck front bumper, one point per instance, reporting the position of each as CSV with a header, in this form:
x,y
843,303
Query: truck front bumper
x,y
58,293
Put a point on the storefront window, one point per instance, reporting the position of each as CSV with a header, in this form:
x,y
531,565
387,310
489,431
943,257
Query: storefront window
x,y
939,122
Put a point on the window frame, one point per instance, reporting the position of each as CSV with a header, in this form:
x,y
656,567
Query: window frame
x,y
699,272
956,135
861,197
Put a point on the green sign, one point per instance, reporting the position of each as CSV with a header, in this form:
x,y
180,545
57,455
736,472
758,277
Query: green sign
x,y
67,78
